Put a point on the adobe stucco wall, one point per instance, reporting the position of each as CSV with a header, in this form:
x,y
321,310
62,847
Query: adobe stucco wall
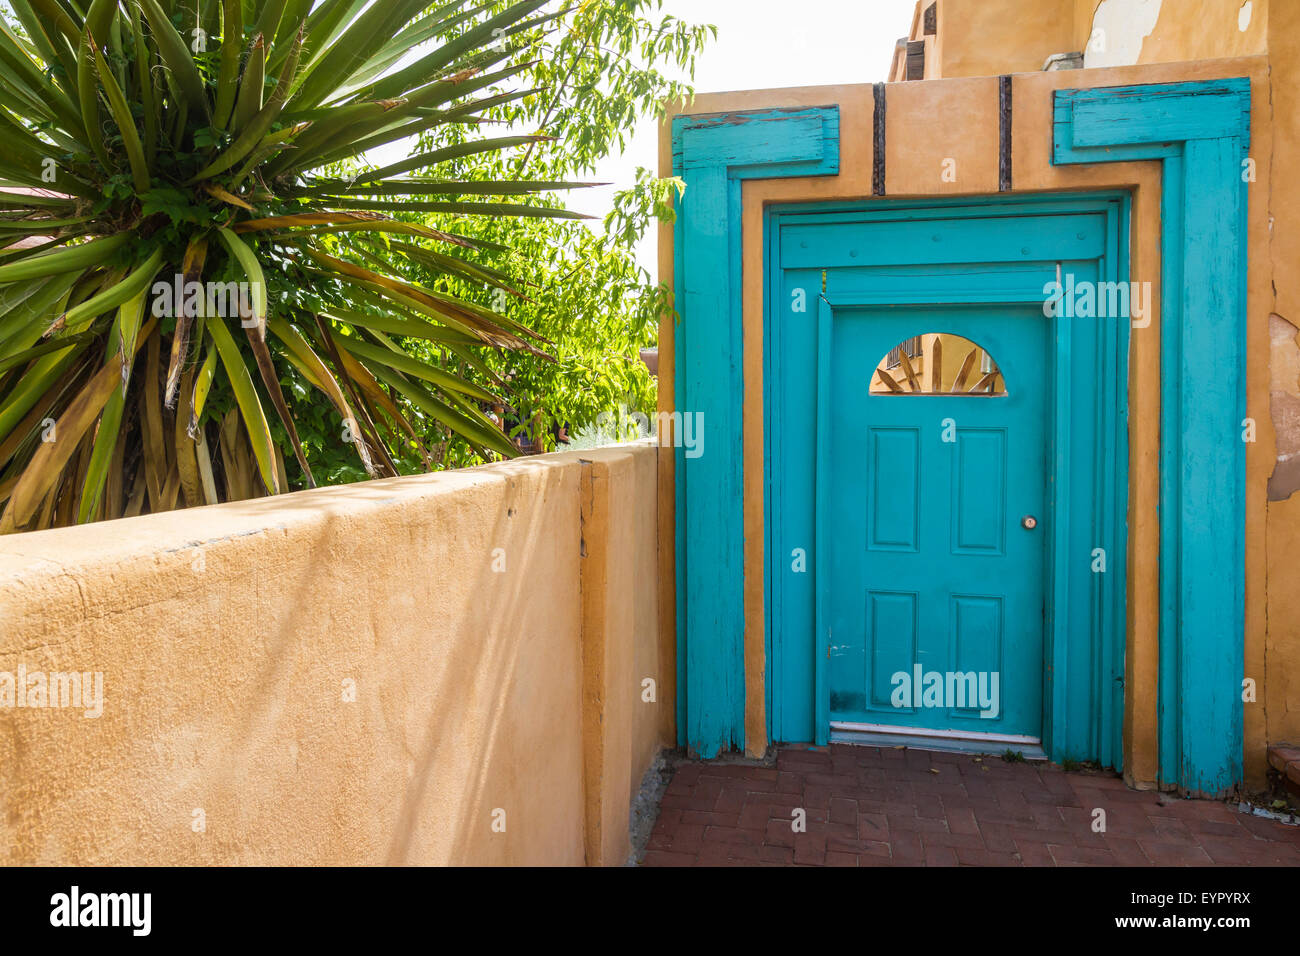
x,y
228,636
991,37
628,674
1282,650
1027,36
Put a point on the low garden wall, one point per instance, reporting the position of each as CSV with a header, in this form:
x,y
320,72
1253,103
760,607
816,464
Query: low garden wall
x,y
460,668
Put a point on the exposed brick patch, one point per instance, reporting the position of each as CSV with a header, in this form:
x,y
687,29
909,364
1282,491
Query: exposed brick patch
x,y
1280,756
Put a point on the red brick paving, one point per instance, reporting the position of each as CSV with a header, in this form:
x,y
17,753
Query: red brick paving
x,y
871,807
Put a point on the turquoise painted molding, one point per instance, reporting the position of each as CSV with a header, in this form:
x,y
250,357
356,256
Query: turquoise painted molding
x,y
714,154
1201,134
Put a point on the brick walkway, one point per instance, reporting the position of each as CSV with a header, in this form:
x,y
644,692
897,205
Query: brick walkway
x,y
871,807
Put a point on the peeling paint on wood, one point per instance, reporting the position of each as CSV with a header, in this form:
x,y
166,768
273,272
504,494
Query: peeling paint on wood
x,y
1201,134
715,154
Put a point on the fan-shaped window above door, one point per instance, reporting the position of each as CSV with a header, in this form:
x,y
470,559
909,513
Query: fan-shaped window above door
x,y
938,363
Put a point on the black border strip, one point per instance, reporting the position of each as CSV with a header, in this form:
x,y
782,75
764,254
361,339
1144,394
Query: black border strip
x,y
878,136
1004,133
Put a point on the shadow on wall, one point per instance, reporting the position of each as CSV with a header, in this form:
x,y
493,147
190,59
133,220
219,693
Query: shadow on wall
x,y
388,672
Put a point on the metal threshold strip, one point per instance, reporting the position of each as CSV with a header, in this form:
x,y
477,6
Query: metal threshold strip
x,y
946,741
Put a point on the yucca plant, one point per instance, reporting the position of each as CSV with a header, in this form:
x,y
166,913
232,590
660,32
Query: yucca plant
x,y
181,209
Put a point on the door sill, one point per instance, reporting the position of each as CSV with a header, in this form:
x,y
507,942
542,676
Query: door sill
x,y
943,741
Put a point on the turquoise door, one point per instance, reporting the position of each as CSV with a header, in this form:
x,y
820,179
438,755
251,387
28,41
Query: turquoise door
x,y
947,473
936,510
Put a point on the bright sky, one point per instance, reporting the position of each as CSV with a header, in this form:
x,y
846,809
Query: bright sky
x,y
763,44
760,44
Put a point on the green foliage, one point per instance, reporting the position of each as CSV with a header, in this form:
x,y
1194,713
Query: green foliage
x,y
144,139
602,71
601,66
635,210
397,318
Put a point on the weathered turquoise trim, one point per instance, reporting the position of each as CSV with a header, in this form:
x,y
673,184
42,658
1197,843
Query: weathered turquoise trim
x,y
822,531
714,153
1201,133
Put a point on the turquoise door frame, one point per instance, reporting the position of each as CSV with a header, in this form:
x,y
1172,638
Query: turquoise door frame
x,y
902,255
715,154
1200,132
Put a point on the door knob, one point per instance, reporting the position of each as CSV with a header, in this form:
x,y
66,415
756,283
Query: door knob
x,y
1029,522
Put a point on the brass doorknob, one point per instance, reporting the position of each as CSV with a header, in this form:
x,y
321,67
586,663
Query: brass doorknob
x,y
1029,522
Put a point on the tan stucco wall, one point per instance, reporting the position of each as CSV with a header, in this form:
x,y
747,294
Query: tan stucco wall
x,y
1281,664
225,636
1027,34
991,37
928,122
1205,29
627,721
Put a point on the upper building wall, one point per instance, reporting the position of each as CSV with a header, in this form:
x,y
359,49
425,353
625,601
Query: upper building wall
x,y
1193,29
992,37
